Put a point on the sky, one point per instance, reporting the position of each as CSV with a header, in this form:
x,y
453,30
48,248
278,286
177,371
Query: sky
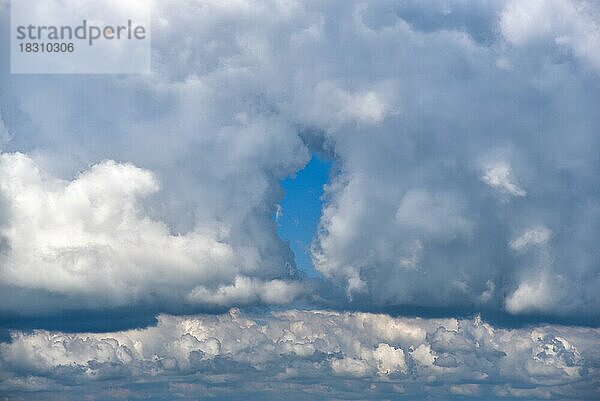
x,y
340,200
300,209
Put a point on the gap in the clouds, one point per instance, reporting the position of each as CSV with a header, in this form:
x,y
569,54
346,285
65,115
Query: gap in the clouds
x,y
300,210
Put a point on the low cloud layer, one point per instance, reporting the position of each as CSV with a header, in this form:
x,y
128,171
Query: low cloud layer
x,y
306,355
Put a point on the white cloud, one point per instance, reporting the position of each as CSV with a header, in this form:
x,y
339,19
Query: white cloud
x,y
499,177
407,97
247,290
351,367
408,213
389,359
92,239
533,294
310,344
424,355
534,236
569,24
160,189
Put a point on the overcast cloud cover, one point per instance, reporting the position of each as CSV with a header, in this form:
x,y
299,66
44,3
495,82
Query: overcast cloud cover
x,y
464,140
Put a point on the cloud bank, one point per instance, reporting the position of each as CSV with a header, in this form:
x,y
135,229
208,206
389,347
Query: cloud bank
x,y
307,355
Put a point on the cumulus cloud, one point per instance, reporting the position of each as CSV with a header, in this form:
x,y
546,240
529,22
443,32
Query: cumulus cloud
x,y
406,97
92,240
286,350
464,145
410,219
